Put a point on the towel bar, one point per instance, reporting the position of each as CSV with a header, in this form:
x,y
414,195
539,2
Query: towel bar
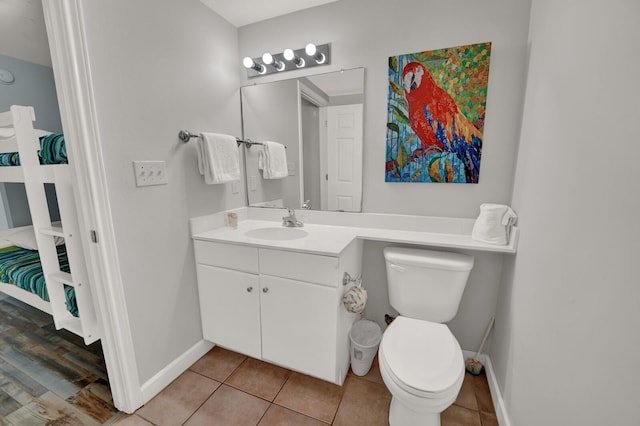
x,y
185,136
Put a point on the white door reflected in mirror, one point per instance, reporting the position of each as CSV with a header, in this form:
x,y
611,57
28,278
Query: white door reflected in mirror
x,y
320,120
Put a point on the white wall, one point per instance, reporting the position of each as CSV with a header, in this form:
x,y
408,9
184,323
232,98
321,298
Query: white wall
x,y
364,33
159,66
567,335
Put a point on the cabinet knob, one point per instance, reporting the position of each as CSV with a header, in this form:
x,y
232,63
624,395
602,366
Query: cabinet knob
x,y
265,290
249,289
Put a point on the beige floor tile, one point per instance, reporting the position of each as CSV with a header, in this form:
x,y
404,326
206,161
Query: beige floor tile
x,y
460,416
489,419
364,403
229,407
258,378
179,400
483,394
310,396
280,416
218,363
131,420
467,396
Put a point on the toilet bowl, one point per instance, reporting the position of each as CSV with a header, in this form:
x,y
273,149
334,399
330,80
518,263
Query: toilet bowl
x,y
422,365
420,360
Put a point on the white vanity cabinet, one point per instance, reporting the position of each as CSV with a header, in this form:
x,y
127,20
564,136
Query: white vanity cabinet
x,y
231,312
281,306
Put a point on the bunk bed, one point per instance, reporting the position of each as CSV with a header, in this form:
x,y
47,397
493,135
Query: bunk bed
x,y
43,265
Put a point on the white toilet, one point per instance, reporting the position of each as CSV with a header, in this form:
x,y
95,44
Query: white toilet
x,y
420,360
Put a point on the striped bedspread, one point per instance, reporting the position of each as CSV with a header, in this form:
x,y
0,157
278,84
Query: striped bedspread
x,y
22,268
52,151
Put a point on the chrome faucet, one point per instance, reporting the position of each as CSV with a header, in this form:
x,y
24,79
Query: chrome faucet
x,y
291,221
306,205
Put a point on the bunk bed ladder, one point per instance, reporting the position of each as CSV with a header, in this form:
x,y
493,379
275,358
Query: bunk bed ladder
x,y
35,175
77,262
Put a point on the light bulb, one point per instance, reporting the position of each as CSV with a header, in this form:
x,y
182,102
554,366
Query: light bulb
x,y
267,58
251,64
288,54
247,62
310,49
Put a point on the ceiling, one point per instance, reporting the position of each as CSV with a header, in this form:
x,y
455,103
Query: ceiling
x,y
339,83
23,34
244,12
22,31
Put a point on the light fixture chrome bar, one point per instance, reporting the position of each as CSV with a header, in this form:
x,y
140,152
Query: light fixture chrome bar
x,y
276,62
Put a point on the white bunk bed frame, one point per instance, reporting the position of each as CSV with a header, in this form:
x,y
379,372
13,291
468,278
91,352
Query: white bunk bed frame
x,y
34,175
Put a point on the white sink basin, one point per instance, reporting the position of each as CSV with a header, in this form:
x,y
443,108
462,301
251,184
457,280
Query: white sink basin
x,y
277,233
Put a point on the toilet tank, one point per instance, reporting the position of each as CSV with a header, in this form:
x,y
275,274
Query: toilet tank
x,y
426,284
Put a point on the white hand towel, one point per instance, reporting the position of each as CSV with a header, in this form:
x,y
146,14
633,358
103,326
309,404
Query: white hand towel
x,y
218,158
273,159
494,223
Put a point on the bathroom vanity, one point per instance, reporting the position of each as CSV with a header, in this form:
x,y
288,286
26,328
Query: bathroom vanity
x,y
281,306
275,293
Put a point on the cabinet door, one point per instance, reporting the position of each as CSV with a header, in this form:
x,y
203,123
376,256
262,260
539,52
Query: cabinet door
x,y
299,326
230,309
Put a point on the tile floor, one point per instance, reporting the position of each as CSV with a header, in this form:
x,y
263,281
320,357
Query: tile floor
x,y
228,389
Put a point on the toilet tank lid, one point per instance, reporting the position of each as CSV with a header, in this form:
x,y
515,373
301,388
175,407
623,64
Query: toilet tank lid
x,y
428,258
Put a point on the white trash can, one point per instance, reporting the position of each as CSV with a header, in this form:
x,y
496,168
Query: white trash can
x,y
365,337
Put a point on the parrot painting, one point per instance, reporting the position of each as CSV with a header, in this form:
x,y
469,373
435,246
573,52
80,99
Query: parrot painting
x,y
438,123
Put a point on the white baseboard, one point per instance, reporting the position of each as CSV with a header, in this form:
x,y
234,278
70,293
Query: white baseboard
x,y
164,377
496,395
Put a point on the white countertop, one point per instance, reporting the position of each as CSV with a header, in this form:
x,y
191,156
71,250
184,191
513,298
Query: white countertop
x,y
332,237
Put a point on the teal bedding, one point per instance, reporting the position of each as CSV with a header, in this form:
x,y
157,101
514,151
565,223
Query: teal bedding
x,y
21,267
52,151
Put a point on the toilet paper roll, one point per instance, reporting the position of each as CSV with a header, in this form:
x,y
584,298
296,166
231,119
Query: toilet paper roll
x,y
355,299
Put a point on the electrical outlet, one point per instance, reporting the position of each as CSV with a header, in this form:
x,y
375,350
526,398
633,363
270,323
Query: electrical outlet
x,y
150,173
253,183
235,187
291,168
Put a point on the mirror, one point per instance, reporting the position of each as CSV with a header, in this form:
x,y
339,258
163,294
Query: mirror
x,y
319,120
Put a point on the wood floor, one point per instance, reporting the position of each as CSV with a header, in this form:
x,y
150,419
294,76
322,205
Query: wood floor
x,y
48,376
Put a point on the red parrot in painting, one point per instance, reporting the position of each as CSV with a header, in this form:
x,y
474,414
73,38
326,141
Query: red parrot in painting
x,y
437,121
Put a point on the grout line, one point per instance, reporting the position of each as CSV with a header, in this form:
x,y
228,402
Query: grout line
x,y
203,402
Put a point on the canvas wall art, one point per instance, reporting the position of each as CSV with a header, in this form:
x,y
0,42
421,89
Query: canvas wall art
x,y
436,114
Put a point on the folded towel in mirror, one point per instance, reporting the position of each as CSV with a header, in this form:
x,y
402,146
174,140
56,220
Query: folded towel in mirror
x,y
494,223
273,159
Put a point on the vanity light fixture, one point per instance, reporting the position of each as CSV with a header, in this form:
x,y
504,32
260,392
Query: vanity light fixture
x,y
312,51
268,59
290,55
253,65
310,56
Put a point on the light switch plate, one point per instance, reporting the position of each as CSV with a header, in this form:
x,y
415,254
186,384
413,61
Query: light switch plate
x,y
150,173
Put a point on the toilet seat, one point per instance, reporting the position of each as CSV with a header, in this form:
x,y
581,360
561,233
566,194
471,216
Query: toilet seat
x,y
422,357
